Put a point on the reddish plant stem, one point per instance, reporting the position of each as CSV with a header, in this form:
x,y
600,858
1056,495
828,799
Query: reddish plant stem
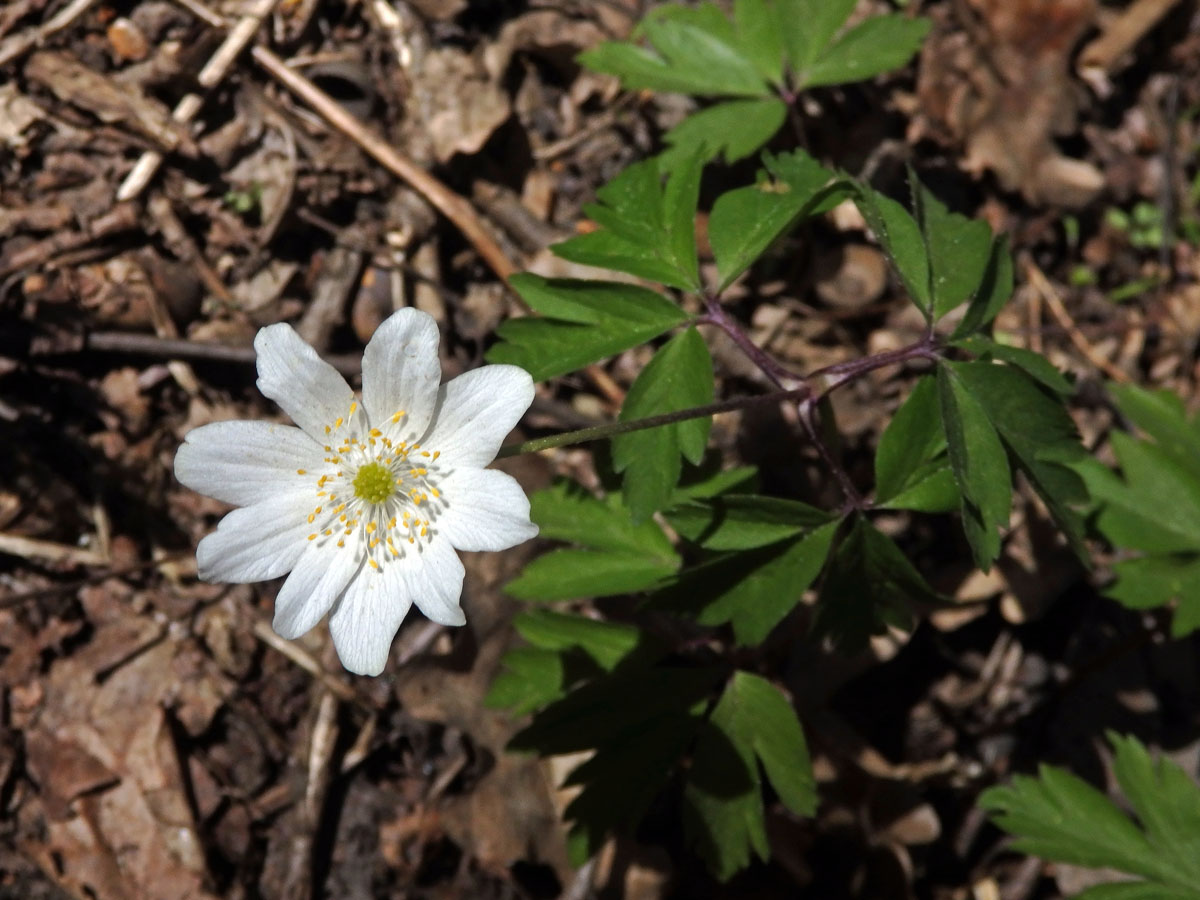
x,y
835,375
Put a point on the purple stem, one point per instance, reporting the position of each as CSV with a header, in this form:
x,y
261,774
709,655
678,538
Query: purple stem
x,y
835,375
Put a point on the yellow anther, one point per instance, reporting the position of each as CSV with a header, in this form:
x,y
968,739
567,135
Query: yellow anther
x,y
374,564
374,543
370,528
395,552
410,539
436,493
424,531
337,423
339,508
317,510
425,453
301,472
375,432
312,537
327,430
437,453
311,518
396,416
328,449
392,523
353,407
341,542
328,531
342,517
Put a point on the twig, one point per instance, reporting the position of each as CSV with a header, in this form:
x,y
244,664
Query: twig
x,y
446,201
306,661
19,44
1043,286
211,75
122,217
32,548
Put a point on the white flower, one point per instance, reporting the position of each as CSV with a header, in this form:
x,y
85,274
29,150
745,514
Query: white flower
x,y
366,502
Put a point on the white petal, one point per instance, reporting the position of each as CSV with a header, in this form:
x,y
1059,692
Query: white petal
x,y
486,510
436,583
256,543
306,387
367,617
401,371
245,462
320,575
476,410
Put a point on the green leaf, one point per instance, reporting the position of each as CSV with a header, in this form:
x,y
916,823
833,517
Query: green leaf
x,y
581,322
607,643
639,721
1151,581
1038,434
980,467
743,521
532,677
753,724
1161,415
1060,817
993,292
746,221
678,377
570,573
877,45
646,229
695,51
960,249
1033,364
900,236
703,483
753,590
735,128
567,512
911,467
810,26
869,586
760,33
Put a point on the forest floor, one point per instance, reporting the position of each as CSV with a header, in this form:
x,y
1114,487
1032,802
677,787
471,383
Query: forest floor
x,y
158,740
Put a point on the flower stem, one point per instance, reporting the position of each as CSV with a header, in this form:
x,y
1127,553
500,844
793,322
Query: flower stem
x,y
598,432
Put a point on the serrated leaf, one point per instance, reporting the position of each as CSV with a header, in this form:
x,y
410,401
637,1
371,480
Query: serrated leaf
x,y
980,467
912,470
607,643
1060,817
678,377
995,289
567,512
570,573
746,221
869,585
532,677
1162,416
580,322
810,28
1039,435
646,229
1151,581
875,46
752,724
638,721
960,249
1033,364
760,35
735,128
1155,508
743,521
900,236
753,590
695,51
704,482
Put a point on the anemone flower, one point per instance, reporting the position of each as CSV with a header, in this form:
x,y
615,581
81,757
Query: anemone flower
x,y
368,500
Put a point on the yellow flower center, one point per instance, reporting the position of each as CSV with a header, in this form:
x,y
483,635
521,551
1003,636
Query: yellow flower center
x,y
374,483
